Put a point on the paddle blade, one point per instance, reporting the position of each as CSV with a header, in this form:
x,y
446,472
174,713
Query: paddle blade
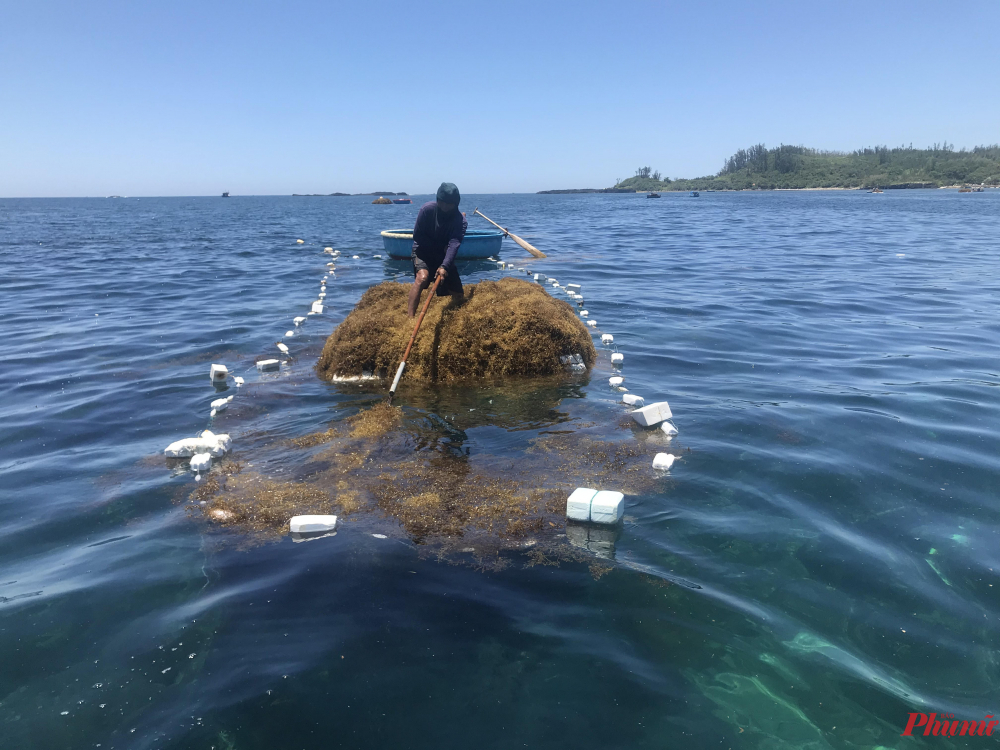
x,y
527,246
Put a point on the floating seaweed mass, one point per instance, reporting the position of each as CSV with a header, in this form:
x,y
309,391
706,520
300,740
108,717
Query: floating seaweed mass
x,y
503,329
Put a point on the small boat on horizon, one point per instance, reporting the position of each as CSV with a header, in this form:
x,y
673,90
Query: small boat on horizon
x,y
653,195
401,200
694,193
225,195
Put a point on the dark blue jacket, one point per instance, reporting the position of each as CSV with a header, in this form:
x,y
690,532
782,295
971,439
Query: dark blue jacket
x,y
436,244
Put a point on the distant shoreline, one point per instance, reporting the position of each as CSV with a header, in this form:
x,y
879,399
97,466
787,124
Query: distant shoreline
x,y
343,195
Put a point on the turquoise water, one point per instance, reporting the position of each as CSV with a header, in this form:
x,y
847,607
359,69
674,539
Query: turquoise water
x,y
832,363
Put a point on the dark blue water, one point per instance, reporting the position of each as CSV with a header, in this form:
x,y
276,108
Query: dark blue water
x,y
833,363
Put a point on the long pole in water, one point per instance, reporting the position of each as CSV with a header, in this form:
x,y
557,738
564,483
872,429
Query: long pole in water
x,y
526,245
413,337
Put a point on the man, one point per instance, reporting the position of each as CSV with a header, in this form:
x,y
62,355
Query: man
x,y
437,234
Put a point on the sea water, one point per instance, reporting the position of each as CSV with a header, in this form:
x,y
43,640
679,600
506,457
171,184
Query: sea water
x,y
819,562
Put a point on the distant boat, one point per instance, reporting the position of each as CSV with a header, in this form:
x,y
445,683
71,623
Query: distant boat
x,y
653,195
694,193
876,190
225,195
401,200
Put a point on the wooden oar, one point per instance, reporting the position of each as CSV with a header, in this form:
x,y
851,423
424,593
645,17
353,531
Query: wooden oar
x,y
402,365
526,245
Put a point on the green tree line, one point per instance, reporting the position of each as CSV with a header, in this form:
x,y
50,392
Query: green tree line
x,y
762,168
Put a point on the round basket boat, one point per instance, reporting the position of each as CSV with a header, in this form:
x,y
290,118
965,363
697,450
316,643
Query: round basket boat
x,y
399,244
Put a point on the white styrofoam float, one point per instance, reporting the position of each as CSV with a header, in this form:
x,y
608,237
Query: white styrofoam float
x,y
663,461
299,320
221,404
300,242
578,503
289,334
554,282
616,380
617,357
238,380
652,415
218,373
607,507
327,249
587,504
201,462
576,287
668,428
207,442
283,348
356,257
607,338
632,400
265,365
592,323
307,524
584,313
317,307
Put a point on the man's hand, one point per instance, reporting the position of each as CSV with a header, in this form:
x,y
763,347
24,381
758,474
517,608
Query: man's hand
x,y
442,273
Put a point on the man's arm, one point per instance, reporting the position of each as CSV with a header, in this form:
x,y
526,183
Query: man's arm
x,y
457,235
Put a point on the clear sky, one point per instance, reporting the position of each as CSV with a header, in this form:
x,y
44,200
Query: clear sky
x,y
193,98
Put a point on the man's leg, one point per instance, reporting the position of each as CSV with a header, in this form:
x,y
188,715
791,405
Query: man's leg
x,y
419,284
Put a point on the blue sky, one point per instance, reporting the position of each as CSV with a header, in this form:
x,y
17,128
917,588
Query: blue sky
x,y
192,98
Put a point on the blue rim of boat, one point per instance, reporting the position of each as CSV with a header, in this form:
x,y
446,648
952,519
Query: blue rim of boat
x,y
398,243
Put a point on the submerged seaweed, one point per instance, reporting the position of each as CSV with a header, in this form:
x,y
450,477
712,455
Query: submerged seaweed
x,y
503,329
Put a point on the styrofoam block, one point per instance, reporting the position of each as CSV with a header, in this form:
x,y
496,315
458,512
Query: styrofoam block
x,y
299,320
537,276
238,380
616,380
317,307
607,338
300,242
554,282
607,506
632,400
220,404
617,357
356,257
311,312
377,256
289,334
578,503
652,415
281,347
663,461
218,373
207,442
576,287
304,524
201,462
584,313
592,323
327,249
668,428
322,295
268,364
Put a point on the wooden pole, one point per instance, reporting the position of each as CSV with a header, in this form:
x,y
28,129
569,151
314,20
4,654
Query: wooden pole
x,y
413,337
526,245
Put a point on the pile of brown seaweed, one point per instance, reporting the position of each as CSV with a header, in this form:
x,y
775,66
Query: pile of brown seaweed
x,y
502,329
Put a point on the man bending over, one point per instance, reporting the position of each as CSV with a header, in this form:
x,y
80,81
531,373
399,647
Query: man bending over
x,y
437,234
